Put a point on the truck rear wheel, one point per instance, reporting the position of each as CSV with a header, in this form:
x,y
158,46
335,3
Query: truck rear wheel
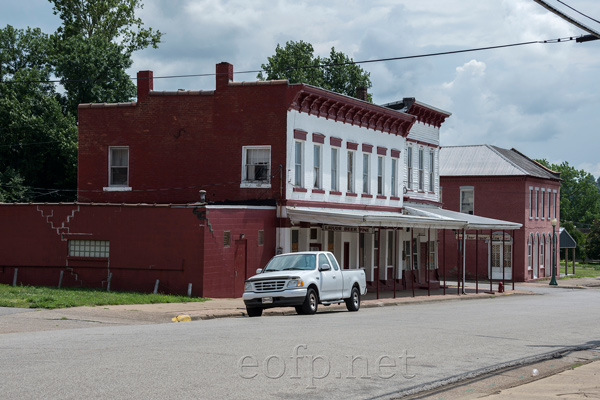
x,y
353,302
254,311
311,303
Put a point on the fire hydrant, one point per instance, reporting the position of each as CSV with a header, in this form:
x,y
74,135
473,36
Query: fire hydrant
x,y
500,287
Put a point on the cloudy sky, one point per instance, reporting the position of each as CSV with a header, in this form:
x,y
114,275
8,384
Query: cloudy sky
x,y
542,99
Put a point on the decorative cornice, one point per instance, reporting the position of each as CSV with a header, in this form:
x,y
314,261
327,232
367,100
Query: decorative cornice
x,y
427,115
330,105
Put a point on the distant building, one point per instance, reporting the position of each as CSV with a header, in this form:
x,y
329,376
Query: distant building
x,y
504,184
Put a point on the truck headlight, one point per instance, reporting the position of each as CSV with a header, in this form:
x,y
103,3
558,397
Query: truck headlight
x,y
248,287
293,283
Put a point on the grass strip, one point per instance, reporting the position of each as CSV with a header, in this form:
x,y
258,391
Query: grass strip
x,y
51,298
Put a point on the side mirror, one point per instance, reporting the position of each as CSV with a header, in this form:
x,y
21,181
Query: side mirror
x,y
324,267
258,271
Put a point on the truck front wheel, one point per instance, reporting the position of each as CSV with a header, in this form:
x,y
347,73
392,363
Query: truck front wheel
x,y
353,302
254,311
311,303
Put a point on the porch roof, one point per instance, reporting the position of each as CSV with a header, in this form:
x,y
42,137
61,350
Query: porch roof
x,y
334,216
468,221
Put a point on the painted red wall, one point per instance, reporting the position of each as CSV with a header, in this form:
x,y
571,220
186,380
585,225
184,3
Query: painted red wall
x,y
146,243
182,142
504,198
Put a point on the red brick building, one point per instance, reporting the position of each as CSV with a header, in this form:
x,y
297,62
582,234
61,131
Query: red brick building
x,y
502,184
203,187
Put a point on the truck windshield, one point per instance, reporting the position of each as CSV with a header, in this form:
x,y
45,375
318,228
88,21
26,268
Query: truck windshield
x,y
291,262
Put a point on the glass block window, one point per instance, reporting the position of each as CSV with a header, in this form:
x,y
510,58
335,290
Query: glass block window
x,y
89,248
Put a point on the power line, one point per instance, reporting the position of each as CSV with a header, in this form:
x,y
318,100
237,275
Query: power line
x,y
578,12
443,53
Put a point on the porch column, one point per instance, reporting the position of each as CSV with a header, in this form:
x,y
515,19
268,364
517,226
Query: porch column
x,y
477,261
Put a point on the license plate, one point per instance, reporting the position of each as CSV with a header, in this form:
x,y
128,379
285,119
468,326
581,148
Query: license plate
x,y
267,300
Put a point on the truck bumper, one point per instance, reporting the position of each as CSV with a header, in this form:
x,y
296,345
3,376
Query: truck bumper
x,y
286,298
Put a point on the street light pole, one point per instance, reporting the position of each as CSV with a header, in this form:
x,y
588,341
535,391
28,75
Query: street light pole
x,y
553,280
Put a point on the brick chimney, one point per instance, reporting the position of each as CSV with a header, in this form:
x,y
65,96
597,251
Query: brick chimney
x,y
145,84
224,75
361,93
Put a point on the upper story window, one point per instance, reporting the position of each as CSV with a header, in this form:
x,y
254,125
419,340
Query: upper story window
x,y
257,165
380,168
366,175
298,163
537,203
334,169
543,205
554,204
409,167
431,171
394,177
118,161
317,166
531,202
351,172
421,169
467,200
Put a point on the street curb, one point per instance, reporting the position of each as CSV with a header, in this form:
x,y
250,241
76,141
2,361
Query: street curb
x,y
364,304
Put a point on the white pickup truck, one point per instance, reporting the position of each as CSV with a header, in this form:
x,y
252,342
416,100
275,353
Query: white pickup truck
x,y
303,280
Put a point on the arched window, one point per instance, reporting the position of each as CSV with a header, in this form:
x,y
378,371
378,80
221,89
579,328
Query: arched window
x,y
530,252
542,252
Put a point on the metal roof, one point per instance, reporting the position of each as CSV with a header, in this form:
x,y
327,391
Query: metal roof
x,y
566,240
486,160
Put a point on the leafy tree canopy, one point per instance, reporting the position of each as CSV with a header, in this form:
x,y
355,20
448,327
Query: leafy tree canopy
x,y
296,62
38,143
579,195
93,47
593,241
113,20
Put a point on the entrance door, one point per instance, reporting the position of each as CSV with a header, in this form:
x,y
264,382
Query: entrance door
x,y
346,255
499,258
239,268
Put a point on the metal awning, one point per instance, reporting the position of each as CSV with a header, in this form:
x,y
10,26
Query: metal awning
x,y
363,218
468,221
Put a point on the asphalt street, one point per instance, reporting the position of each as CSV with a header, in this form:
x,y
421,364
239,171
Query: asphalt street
x,y
385,352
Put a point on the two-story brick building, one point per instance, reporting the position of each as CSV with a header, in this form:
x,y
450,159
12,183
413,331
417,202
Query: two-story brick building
x,y
504,184
246,170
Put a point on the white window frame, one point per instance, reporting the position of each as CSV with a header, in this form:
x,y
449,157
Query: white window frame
x,y
409,167
543,205
117,187
431,171
298,163
366,173
380,175
351,171
247,183
554,196
335,167
537,203
394,177
464,189
317,166
530,202
421,170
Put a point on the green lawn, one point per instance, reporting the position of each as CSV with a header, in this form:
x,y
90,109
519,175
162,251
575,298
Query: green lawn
x,y
581,270
47,297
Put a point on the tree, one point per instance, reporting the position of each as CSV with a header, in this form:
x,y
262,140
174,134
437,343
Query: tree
x,y
38,143
578,236
579,195
296,62
93,48
593,241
